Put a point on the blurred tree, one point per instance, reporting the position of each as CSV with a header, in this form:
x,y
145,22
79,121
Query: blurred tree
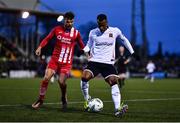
x,y
159,53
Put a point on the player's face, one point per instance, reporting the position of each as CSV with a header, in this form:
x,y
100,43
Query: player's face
x,y
102,25
121,49
68,23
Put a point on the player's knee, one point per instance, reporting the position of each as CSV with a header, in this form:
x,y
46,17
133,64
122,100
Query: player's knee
x,y
112,80
62,84
61,81
47,78
113,83
86,77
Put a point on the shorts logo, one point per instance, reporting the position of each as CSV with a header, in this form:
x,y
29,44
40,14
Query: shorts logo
x,y
110,35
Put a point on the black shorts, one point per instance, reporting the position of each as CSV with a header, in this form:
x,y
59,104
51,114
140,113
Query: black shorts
x,y
106,70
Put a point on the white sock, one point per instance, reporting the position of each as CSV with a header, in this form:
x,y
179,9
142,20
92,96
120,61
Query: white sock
x,y
116,96
85,89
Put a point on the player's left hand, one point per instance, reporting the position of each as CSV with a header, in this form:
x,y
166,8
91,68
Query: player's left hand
x,y
38,51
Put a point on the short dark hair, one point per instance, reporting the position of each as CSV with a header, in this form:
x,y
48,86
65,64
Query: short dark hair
x,y
101,17
69,15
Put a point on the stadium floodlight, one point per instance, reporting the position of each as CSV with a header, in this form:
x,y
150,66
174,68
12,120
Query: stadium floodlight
x,y
25,14
60,18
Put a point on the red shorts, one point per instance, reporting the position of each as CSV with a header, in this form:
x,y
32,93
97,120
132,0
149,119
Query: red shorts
x,y
59,68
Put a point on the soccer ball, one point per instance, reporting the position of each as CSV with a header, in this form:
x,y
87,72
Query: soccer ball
x,y
95,105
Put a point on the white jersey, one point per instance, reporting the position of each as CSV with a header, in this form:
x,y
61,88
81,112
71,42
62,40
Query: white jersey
x,y
102,45
150,67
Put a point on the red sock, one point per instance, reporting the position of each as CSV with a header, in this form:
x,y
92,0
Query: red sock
x,y
43,89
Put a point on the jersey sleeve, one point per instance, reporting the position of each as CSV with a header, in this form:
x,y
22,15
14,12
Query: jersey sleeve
x,y
89,43
80,41
47,38
125,41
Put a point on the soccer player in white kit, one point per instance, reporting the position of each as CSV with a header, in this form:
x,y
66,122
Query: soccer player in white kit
x,y
150,69
101,45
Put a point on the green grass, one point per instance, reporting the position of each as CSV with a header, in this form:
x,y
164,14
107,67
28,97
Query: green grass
x,y
149,102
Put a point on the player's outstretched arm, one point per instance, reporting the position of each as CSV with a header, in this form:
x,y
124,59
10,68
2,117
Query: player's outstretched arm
x,y
44,42
125,41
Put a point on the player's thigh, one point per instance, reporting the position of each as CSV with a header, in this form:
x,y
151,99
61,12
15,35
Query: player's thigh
x,y
108,70
64,73
51,69
109,73
91,70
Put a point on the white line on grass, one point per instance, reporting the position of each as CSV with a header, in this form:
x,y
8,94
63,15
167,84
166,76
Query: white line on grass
x,y
57,89
154,92
76,102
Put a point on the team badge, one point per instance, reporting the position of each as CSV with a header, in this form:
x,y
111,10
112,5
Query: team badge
x,y
110,35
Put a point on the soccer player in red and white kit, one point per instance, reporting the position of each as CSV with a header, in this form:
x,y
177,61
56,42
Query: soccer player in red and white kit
x,y
61,60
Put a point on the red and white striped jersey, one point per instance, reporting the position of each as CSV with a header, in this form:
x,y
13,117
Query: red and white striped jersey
x,y
65,41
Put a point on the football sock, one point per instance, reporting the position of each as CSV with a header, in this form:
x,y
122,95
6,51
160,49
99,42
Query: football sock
x,y
85,89
43,89
63,90
116,96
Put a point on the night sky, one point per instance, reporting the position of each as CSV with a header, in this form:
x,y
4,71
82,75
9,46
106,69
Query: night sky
x,y
162,18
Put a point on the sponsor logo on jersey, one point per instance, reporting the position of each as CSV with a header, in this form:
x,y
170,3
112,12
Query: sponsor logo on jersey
x,y
111,35
103,43
64,40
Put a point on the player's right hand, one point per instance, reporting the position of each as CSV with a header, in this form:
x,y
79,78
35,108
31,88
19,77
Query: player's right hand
x,y
38,51
88,56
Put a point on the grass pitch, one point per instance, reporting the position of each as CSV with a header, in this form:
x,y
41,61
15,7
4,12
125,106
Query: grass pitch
x,y
149,102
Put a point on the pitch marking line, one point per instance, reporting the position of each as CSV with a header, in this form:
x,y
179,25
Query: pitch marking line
x,y
76,102
129,91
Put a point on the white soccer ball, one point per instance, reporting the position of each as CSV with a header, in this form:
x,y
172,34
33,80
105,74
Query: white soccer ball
x,y
95,105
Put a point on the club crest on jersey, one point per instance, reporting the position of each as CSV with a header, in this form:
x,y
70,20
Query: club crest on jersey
x,y
59,37
110,35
